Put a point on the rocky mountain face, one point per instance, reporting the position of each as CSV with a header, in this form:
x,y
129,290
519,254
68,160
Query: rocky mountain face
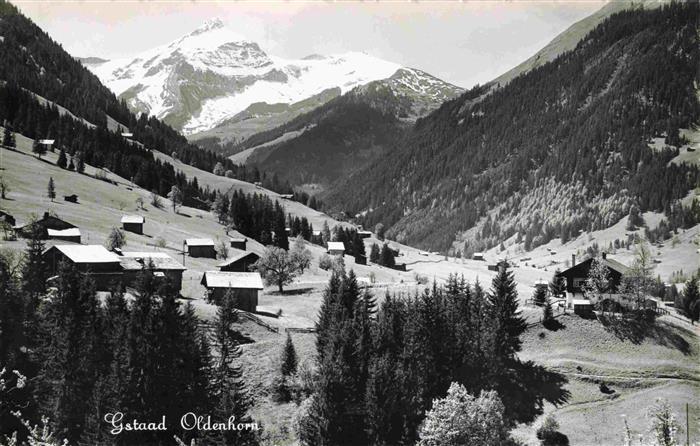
x,y
213,78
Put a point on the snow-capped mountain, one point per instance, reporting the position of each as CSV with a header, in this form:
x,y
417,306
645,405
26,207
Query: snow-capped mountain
x,y
210,75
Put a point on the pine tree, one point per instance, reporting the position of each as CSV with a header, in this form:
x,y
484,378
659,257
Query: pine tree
x,y
62,160
374,253
38,148
691,300
80,162
8,139
281,240
539,296
557,286
227,384
547,313
289,358
508,322
386,257
51,189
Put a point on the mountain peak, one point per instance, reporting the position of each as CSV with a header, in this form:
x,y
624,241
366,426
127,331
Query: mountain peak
x,y
209,25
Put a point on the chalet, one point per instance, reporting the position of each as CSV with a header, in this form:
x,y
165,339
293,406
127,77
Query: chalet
x,y
287,196
400,266
498,265
42,225
239,262
71,198
133,263
478,256
577,275
7,218
364,234
93,260
541,284
242,287
336,248
201,247
238,242
360,259
133,223
65,235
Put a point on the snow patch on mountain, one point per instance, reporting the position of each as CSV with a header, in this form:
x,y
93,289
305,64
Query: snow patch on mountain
x,y
211,74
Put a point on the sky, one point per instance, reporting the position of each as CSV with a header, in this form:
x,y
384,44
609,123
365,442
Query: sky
x,y
462,42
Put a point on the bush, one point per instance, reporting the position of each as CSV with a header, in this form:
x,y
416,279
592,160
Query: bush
x,y
325,262
281,392
548,433
420,279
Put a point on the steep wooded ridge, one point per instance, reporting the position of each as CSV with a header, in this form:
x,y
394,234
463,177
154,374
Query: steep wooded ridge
x,y
33,64
562,148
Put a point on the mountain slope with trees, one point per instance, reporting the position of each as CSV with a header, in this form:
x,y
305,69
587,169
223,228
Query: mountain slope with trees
x,y
560,149
34,64
349,132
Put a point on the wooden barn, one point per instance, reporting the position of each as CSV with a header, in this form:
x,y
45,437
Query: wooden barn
x,y
65,235
201,247
478,256
71,198
94,260
360,259
364,234
239,261
133,263
43,224
133,223
242,287
238,243
576,278
336,248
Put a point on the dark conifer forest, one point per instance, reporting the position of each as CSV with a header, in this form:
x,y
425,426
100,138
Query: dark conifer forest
x,y
569,139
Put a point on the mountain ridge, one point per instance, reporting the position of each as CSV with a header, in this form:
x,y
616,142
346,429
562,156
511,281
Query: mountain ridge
x,y
209,76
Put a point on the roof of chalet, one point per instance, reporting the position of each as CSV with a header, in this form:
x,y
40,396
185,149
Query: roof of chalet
x,y
336,246
238,239
160,261
610,263
236,256
221,279
87,253
70,232
581,302
133,219
199,242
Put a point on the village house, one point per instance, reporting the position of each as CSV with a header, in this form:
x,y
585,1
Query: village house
x,y
239,261
133,223
133,263
65,235
577,275
42,225
364,234
243,287
94,260
201,247
478,256
238,242
336,248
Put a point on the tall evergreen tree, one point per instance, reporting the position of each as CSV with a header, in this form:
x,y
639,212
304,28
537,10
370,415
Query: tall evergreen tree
x,y
289,357
8,138
281,239
51,189
508,322
62,160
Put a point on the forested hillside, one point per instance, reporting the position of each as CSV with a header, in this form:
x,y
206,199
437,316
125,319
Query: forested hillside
x,y
349,132
562,148
34,63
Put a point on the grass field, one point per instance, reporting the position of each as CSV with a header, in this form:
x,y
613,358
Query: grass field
x,y
639,368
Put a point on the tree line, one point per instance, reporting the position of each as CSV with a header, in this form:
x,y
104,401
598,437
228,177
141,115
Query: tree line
x,y
379,368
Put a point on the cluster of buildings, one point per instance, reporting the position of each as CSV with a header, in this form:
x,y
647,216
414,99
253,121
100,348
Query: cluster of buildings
x,y
110,269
